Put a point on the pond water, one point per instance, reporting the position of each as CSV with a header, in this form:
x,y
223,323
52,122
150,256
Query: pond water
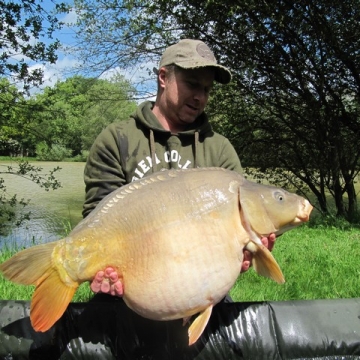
x,y
53,212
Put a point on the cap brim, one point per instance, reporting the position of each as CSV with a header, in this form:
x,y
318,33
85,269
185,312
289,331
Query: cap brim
x,y
222,74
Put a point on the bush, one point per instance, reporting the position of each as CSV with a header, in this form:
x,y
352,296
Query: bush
x,y
331,221
80,157
56,152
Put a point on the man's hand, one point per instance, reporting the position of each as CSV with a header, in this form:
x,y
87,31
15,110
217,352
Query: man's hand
x,y
107,282
267,241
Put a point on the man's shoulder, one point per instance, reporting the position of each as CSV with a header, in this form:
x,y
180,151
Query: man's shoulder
x,y
215,138
122,126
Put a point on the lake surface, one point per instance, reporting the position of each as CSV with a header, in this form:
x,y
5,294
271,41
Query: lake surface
x,y
53,212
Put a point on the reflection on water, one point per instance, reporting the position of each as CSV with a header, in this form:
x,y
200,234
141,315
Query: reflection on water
x,y
53,211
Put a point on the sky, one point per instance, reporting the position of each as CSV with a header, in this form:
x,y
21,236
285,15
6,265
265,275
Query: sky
x,y
66,63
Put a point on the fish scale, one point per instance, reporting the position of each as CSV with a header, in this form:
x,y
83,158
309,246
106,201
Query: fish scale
x,y
176,239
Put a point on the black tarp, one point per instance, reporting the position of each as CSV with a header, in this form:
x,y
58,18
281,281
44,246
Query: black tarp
x,y
107,329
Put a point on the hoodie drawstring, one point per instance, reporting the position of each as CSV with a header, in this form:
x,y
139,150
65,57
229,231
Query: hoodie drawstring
x,y
196,143
153,153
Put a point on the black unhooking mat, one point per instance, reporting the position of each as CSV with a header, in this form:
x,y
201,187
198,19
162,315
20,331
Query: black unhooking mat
x,y
106,329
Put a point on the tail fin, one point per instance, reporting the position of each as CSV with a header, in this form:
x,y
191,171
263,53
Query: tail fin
x,y
34,266
264,263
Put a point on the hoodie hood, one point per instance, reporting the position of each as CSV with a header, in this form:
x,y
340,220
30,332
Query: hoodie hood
x,y
146,117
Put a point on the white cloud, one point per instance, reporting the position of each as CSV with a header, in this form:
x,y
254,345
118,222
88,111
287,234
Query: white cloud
x,y
141,77
59,70
52,73
70,18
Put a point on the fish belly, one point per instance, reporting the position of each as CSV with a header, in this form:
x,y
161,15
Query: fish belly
x,y
183,268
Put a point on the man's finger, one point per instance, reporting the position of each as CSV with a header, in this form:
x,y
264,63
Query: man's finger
x,y
245,266
271,241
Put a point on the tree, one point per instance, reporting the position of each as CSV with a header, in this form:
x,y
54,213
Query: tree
x,y
24,27
15,111
305,89
74,111
294,102
109,101
13,140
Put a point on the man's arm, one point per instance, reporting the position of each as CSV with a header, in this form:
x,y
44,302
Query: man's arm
x,y
103,171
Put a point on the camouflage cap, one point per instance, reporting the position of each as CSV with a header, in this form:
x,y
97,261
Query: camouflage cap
x,y
192,54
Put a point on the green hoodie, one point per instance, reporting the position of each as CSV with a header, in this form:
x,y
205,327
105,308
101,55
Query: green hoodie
x,y
129,150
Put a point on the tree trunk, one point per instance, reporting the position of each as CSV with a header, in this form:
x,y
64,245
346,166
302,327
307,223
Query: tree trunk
x,y
352,209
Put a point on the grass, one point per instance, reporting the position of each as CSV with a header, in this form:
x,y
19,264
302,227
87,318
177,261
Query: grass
x,y
318,263
9,290
12,158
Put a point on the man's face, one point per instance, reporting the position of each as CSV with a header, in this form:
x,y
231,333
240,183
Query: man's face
x,y
186,93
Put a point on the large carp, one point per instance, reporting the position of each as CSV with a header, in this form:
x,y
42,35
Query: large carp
x,y
176,239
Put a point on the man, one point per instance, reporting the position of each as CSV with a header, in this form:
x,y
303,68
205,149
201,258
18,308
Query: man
x,y
172,132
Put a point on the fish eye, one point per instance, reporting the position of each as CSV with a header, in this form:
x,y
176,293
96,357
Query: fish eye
x,y
279,196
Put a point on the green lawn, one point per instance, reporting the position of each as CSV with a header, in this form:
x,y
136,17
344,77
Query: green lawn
x,y
318,263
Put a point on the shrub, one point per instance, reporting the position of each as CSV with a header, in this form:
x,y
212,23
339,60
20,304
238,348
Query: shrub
x,y
56,152
80,157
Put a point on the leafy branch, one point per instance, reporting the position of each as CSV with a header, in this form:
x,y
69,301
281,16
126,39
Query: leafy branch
x,y
11,206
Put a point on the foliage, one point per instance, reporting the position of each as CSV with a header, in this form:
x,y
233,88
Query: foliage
x,y
296,78
70,114
25,25
82,157
13,138
9,205
74,111
56,152
25,28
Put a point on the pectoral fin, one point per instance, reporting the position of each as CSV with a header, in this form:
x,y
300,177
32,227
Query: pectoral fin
x,y
199,324
264,263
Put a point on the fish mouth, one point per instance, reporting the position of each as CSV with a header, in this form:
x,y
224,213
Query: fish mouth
x,y
302,216
304,213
